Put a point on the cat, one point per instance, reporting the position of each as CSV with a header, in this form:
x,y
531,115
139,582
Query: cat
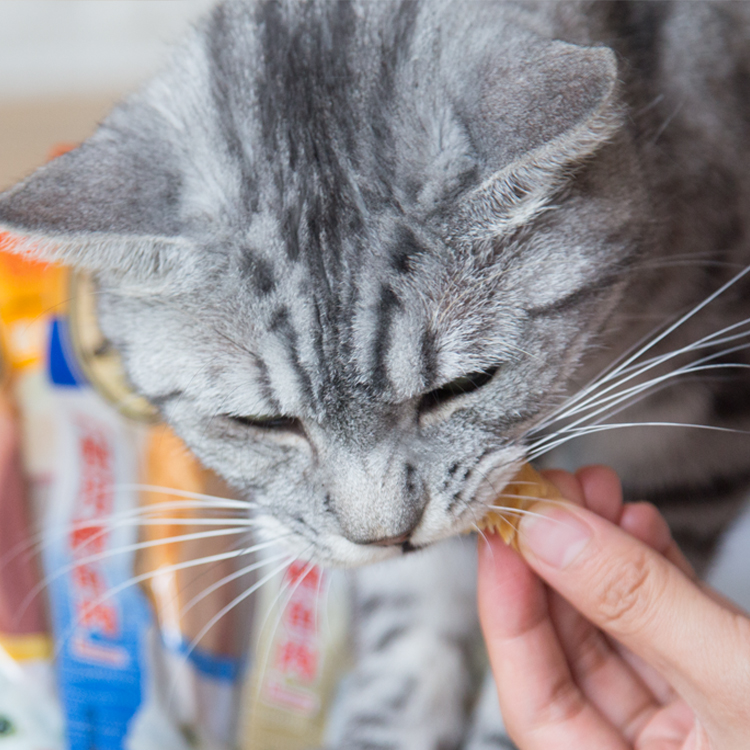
x,y
365,256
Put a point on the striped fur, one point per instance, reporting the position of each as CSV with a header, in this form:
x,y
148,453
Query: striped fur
x,y
325,221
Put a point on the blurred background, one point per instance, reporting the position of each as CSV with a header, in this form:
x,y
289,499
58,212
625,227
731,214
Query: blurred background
x,y
64,63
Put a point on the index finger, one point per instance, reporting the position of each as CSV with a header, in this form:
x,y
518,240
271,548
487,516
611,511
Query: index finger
x,y
637,596
541,703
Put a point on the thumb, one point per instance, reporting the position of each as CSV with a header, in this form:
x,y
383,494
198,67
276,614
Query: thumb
x,y
638,597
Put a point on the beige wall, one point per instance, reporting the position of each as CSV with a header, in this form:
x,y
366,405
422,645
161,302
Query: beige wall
x,y
29,129
64,63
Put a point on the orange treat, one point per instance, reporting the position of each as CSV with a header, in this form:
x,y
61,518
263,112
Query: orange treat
x,y
526,488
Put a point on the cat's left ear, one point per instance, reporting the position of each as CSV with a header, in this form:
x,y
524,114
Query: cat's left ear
x,y
112,204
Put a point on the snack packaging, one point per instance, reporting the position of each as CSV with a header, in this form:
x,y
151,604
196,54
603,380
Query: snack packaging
x,y
203,660
300,656
126,614
30,715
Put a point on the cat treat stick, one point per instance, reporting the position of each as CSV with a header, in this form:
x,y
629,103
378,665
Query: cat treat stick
x,y
526,488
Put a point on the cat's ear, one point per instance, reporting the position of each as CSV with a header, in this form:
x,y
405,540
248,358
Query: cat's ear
x,y
112,204
536,115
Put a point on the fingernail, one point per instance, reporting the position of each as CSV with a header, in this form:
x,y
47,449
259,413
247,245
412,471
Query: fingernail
x,y
553,536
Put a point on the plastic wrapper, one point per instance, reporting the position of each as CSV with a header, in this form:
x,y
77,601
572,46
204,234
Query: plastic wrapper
x,y
131,614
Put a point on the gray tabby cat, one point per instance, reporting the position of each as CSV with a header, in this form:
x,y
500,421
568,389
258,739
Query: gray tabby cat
x,y
359,252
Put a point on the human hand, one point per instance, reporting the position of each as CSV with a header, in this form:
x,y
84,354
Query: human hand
x,y
600,638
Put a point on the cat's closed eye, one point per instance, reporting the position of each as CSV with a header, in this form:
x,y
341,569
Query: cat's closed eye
x,y
275,424
458,387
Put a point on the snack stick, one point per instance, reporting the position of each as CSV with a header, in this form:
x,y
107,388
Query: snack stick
x,y
526,488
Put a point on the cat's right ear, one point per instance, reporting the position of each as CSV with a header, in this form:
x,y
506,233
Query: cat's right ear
x,y
112,204
537,115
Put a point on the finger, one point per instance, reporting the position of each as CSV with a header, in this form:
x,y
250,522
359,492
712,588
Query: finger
x,y
674,728
641,599
591,654
605,678
603,492
644,522
542,707
655,682
567,483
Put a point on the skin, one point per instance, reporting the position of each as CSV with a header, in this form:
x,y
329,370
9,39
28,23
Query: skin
x,y
600,637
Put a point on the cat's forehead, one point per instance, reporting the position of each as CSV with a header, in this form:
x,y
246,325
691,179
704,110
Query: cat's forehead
x,y
382,316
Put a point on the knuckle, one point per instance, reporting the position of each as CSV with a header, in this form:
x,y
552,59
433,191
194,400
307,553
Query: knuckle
x,y
565,702
592,653
626,594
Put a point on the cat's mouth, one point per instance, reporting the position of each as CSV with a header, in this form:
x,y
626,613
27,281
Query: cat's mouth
x,y
329,550
334,550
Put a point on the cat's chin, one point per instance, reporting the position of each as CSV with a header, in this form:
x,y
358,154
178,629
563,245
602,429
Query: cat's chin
x,y
341,553
328,550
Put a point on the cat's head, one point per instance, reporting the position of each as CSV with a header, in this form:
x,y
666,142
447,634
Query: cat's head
x,y
353,252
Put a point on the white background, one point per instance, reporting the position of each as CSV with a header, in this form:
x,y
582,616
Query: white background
x,y
58,47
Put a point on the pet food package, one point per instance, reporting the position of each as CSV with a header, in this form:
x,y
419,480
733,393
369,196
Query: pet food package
x,y
194,568
81,464
139,605
300,657
30,715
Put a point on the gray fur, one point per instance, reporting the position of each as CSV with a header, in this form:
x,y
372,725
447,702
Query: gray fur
x,y
328,212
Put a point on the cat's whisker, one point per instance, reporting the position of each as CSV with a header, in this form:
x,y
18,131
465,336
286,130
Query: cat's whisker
x,y
44,541
703,365
712,340
485,478
143,516
602,378
615,409
318,610
161,570
500,510
636,393
532,498
586,430
174,539
698,365
234,603
597,398
48,580
286,591
228,579
211,500
603,405
481,533
182,521
652,340
681,261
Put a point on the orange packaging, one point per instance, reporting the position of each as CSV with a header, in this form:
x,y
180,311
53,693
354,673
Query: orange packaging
x,y
28,291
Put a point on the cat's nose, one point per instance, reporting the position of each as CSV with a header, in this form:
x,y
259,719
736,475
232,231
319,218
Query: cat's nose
x,y
377,506
400,534
402,539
